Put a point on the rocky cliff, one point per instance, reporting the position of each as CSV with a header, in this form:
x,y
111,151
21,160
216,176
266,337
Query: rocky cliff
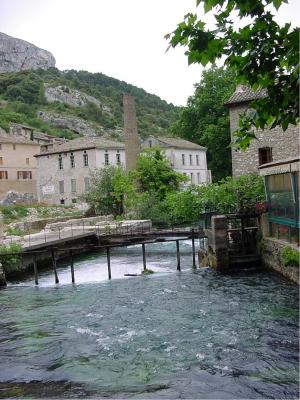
x,y
18,55
72,97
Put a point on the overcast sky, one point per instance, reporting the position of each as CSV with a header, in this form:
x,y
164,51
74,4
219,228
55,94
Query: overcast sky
x,y
123,39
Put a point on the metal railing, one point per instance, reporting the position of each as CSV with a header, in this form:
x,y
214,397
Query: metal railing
x,y
73,231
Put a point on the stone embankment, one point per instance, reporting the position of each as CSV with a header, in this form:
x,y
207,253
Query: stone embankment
x,y
271,251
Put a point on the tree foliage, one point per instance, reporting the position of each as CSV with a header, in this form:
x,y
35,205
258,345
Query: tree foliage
x,y
231,195
205,119
154,173
262,54
110,191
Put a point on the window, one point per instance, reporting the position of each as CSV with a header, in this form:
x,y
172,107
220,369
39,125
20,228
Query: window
x,y
198,177
118,158
24,175
73,185
191,159
265,155
86,184
3,175
27,161
72,160
0,146
62,201
85,159
60,162
74,201
150,143
14,147
183,159
61,187
192,177
1,160
106,159
197,159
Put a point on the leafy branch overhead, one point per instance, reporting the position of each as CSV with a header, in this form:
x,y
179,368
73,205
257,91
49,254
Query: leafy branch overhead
x,y
262,54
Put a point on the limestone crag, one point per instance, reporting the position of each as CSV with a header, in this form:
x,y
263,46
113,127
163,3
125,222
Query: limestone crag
x,y
18,55
75,124
72,97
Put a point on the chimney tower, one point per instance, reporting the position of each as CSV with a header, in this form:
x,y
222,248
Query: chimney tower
x,y
132,141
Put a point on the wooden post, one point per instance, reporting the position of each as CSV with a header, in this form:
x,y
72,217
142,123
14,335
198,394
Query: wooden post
x,y
144,256
108,262
193,246
72,266
243,234
178,255
54,266
36,281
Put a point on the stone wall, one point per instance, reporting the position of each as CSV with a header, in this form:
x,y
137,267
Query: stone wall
x,y
79,222
284,144
24,191
271,250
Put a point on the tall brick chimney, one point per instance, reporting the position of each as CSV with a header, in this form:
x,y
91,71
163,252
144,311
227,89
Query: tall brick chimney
x,y
132,141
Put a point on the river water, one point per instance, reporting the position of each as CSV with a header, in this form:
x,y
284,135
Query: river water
x,y
189,334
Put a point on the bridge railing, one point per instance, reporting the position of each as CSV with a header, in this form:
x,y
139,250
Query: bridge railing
x,y
71,231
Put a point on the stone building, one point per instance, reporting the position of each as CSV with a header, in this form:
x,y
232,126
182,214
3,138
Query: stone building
x,y
270,145
18,166
184,156
31,134
64,170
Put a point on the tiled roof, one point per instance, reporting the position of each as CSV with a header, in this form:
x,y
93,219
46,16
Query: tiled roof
x,y
83,143
179,143
244,94
4,138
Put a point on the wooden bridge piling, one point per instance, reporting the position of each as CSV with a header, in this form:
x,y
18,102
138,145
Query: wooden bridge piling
x,y
54,264
193,246
108,262
144,256
178,255
36,281
72,266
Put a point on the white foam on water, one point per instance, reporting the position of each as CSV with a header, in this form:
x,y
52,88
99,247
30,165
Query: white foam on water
x,y
200,356
170,348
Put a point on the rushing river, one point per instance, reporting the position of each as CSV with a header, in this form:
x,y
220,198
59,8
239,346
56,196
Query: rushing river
x,y
168,335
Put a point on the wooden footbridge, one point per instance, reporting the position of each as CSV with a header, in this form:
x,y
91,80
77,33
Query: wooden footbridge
x,y
67,244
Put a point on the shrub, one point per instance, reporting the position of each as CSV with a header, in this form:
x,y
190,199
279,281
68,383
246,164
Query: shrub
x,y
290,257
10,262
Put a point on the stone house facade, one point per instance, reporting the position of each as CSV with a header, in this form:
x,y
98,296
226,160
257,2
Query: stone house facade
x,y
64,170
270,145
185,157
18,166
31,134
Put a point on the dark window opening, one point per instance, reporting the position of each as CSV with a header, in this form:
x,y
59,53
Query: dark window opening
x,y
265,155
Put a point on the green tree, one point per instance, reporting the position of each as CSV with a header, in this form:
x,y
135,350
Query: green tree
x,y
110,191
262,54
230,195
205,120
154,173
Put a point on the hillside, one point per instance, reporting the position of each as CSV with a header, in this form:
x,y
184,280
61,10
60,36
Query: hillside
x,y
75,103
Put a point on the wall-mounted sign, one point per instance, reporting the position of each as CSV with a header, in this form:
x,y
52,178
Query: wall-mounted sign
x,y
48,189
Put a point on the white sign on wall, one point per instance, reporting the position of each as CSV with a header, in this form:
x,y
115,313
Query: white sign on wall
x,y
48,189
